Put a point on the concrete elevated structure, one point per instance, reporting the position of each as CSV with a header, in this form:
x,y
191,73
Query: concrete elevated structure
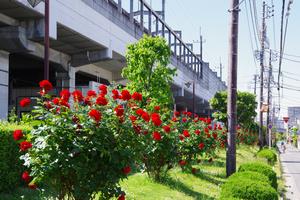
x,y
88,44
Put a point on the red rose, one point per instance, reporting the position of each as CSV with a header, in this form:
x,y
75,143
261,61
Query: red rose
x,y
101,100
181,137
65,95
157,108
137,96
95,114
133,118
64,103
189,114
25,145
184,119
215,135
174,119
26,177
156,119
45,85
209,127
156,136
207,135
119,110
32,186
177,113
182,162
121,197
146,116
77,96
126,170
25,102
201,145
208,120
56,101
18,135
167,128
87,101
91,93
103,89
206,130
197,132
139,112
186,133
125,95
116,94
137,129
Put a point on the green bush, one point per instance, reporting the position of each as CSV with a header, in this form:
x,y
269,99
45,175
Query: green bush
x,y
255,176
245,188
10,164
261,168
269,155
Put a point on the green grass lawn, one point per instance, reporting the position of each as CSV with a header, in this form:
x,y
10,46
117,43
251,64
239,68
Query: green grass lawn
x,y
178,185
186,186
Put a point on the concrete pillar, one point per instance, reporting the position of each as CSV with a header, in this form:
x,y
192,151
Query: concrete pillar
x,y
72,72
4,82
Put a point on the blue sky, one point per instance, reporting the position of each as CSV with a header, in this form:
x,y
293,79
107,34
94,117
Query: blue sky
x,y
213,18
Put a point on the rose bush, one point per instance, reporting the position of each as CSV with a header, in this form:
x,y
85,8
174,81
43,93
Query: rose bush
x,y
81,148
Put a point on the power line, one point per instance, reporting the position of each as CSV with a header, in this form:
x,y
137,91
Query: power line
x,y
281,41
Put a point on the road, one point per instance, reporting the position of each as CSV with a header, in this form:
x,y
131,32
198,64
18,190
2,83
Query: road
x,y
290,161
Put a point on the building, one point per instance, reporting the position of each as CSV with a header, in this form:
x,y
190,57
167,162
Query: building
x,y
294,116
88,39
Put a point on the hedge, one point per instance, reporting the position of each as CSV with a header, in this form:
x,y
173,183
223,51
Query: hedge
x,y
261,168
10,165
255,176
269,155
245,188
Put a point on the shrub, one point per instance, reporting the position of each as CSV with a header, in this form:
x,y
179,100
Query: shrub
x,y
255,176
261,168
245,188
269,155
10,165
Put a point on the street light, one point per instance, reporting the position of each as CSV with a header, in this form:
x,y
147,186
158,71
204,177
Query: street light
x,y
188,85
34,3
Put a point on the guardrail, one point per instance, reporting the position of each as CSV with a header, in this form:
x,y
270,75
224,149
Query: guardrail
x,y
151,23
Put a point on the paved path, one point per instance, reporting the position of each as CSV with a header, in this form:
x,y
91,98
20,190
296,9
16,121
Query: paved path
x,y
290,161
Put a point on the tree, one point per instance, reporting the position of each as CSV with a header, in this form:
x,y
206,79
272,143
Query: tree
x,y
147,69
246,105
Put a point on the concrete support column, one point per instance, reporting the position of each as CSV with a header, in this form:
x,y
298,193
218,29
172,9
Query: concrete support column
x,y
72,83
4,82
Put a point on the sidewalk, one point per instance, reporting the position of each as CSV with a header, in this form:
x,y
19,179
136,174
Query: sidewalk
x,y
290,161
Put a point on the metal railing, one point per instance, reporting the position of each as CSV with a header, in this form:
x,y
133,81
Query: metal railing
x,y
151,23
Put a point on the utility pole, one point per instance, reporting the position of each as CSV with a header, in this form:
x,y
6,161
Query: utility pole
x,y
255,81
232,89
201,41
262,58
269,128
221,69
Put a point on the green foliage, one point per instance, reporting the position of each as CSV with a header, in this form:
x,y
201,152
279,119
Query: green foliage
x,y
251,175
243,187
268,154
246,105
261,168
10,165
147,69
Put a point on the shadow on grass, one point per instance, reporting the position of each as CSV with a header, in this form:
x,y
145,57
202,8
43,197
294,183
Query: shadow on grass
x,y
179,186
209,178
215,163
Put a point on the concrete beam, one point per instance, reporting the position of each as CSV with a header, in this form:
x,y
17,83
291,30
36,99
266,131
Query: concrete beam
x,y
54,55
90,57
8,20
13,39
